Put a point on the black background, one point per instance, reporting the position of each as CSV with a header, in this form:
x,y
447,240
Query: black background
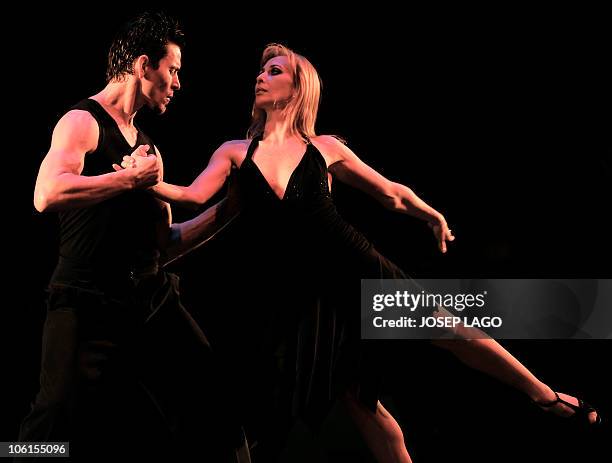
x,y
498,119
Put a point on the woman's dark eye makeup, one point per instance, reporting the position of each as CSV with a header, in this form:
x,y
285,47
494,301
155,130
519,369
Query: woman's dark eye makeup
x,y
274,71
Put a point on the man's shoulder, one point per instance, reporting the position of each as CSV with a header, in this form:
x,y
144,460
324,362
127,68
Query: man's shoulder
x,y
77,119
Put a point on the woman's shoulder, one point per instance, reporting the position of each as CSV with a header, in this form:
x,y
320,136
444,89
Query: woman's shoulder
x,y
330,146
234,148
235,145
330,140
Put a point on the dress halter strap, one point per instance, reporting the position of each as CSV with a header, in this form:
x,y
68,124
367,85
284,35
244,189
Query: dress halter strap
x,y
252,146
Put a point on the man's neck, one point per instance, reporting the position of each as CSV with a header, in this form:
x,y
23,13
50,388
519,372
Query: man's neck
x,y
120,100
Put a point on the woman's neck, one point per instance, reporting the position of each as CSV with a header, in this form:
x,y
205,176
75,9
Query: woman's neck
x,y
277,130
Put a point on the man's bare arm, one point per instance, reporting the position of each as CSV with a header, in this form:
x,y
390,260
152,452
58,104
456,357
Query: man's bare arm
x,y
60,185
187,236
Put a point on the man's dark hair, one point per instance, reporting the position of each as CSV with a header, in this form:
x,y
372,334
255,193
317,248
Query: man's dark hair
x,y
147,34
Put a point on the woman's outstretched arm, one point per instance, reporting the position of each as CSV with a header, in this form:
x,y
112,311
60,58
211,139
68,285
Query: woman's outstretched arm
x,y
209,182
349,169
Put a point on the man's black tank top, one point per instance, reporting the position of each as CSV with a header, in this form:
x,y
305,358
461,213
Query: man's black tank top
x,y
121,232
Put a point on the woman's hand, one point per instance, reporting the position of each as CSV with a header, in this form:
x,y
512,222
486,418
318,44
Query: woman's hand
x,y
441,232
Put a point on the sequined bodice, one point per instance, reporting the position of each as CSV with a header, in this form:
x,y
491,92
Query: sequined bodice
x,y
301,227
307,182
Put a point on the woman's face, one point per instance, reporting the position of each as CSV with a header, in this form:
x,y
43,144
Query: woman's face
x,y
274,84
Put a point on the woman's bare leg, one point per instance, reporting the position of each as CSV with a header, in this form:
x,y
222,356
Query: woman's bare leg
x,y
380,431
488,356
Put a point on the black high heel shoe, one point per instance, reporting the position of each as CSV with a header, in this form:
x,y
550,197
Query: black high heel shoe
x,y
581,411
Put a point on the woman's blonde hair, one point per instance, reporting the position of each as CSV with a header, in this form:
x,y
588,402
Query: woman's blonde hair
x,y
302,108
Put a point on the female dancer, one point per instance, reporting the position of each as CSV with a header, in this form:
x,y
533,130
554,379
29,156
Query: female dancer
x,y
306,261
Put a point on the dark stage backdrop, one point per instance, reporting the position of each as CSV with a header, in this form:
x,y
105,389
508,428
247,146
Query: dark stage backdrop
x,y
501,124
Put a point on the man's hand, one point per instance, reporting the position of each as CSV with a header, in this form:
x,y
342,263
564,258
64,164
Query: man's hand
x,y
144,167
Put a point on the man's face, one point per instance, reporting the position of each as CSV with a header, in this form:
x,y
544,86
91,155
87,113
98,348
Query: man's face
x,y
159,84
